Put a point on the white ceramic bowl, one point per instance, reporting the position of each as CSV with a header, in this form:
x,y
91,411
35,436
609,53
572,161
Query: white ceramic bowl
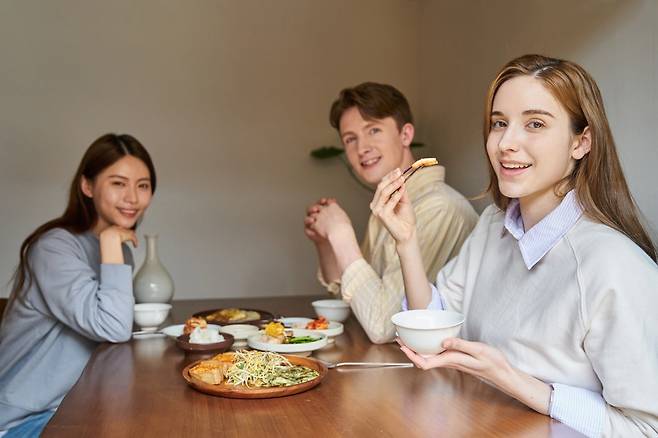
x,y
240,333
333,310
148,316
424,330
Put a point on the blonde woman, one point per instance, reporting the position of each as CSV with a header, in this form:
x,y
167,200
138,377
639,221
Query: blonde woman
x,y
558,281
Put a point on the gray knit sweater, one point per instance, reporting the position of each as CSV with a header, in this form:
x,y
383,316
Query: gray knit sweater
x,y
50,329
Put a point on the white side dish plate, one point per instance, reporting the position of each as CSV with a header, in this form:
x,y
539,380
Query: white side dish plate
x,y
255,341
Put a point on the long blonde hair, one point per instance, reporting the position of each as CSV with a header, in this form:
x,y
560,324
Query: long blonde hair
x,y
597,178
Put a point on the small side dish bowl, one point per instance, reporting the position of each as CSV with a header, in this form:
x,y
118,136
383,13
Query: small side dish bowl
x,y
148,316
333,310
240,333
425,330
183,342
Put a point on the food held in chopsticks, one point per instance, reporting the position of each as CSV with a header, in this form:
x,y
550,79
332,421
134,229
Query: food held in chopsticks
x,y
275,333
425,162
266,369
418,164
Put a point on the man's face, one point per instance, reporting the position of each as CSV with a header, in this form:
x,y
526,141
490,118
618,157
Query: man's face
x,y
374,147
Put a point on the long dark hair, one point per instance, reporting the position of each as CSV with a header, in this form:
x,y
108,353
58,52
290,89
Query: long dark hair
x,y
80,214
597,177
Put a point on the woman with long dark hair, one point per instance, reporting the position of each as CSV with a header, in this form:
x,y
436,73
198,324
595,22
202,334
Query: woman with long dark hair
x,y
558,281
73,286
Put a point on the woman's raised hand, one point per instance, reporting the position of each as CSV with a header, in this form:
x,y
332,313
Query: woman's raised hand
x,y
120,234
111,239
392,206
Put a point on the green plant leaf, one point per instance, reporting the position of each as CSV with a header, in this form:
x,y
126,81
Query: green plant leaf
x,y
326,152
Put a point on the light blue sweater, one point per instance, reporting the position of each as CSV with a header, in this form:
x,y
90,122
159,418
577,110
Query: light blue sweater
x,y
50,329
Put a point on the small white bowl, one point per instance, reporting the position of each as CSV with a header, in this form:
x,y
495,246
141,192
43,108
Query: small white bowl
x,y
333,310
425,330
148,316
240,333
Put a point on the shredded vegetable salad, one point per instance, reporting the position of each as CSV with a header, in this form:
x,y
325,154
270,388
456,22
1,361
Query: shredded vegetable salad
x,y
266,369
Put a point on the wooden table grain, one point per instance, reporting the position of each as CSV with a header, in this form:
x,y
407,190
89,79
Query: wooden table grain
x,y
136,389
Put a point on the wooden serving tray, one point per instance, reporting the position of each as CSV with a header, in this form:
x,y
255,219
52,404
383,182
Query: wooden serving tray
x,y
233,391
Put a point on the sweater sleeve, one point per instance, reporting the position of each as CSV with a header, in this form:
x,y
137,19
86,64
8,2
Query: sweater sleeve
x,y
448,293
333,287
436,303
451,280
100,309
619,301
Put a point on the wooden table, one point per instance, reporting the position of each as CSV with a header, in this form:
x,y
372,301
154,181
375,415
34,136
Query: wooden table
x,y
136,389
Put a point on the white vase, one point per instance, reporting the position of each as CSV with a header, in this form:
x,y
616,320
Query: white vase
x,y
152,284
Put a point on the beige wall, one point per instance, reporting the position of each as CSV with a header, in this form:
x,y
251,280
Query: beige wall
x,y
229,97
463,44
209,84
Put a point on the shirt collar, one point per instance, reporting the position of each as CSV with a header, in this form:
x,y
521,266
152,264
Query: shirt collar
x,y
540,239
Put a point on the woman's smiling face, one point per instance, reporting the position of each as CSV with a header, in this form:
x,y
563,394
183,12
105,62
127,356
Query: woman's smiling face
x,y
121,193
531,145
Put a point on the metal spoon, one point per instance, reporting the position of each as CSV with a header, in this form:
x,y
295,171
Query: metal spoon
x,y
148,332
368,364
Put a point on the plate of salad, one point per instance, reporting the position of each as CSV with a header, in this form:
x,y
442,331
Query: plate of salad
x,y
254,374
275,337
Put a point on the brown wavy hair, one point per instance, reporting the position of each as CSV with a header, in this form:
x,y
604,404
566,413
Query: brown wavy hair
x,y
80,214
598,178
374,101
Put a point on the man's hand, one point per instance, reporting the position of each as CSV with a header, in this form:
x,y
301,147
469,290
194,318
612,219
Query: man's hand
x,y
329,227
311,216
330,220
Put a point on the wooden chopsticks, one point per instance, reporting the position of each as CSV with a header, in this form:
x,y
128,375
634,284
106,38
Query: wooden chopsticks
x,y
418,164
